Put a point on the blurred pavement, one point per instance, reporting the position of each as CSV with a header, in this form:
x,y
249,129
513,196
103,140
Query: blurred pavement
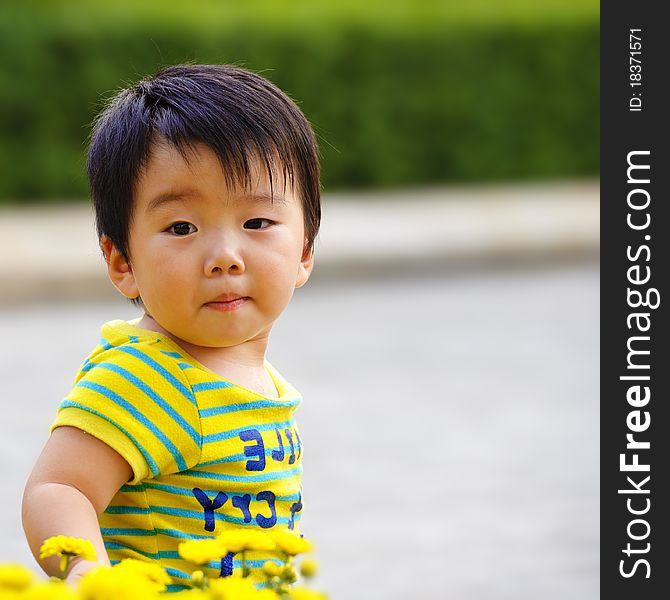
x,y
50,253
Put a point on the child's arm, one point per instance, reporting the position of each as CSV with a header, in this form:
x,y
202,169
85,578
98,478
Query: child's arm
x,y
73,481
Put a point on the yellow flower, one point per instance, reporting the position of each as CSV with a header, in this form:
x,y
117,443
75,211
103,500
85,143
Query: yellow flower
x,y
105,583
271,569
241,539
54,590
232,588
151,572
309,567
191,594
290,543
305,594
15,577
288,574
199,580
201,552
61,545
66,547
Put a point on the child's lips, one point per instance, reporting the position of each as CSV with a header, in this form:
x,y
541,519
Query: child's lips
x,y
227,302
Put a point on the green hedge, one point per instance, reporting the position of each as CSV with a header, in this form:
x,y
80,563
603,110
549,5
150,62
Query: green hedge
x,y
399,93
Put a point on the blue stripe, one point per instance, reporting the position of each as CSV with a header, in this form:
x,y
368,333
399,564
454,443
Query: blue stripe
x,y
172,572
178,385
276,476
256,564
268,403
178,512
87,365
262,585
176,587
243,457
127,510
153,467
133,339
105,345
115,546
226,435
175,533
171,489
288,498
132,488
197,515
180,491
133,531
229,459
183,365
138,383
172,354
123,403
237,563
211,385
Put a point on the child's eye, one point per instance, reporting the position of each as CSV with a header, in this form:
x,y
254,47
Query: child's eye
x,y
182,228
257,223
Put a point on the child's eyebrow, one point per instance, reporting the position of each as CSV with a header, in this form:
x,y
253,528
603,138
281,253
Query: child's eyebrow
x,y
266,197
167,197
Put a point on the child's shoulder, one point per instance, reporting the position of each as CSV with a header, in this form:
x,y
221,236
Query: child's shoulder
x,y
123,345
118,333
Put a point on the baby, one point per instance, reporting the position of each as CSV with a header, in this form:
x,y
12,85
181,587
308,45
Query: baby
x,y
205,181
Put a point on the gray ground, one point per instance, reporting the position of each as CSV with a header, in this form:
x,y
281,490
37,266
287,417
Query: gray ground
x,y
450,424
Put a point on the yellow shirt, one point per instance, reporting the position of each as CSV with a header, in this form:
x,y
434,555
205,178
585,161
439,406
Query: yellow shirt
x,y
206,454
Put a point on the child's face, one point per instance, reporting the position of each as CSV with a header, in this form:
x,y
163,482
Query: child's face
x,y
194,242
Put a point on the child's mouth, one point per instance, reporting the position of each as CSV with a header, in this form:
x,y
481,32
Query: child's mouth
x,y
228,305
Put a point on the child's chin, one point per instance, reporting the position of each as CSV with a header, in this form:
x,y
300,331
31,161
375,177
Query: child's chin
x,y
221,341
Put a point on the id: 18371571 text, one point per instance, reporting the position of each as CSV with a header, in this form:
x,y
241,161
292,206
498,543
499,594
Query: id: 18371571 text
x,y
635,69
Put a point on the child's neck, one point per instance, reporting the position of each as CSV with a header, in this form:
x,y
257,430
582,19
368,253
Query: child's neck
x,y
243,364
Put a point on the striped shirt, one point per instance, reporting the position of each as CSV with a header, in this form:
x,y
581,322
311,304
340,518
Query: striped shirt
x,y
206,454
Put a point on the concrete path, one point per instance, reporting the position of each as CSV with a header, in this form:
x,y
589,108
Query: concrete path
x,y
50,253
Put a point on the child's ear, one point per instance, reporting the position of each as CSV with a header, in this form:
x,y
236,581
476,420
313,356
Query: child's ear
x,y
305,267
119,270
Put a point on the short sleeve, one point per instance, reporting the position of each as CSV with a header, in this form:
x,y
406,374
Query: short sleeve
x,y
137,400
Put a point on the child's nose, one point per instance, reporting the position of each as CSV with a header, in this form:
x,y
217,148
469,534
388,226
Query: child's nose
x,y
225,257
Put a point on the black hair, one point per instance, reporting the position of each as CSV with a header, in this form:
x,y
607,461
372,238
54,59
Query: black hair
x,y
237,113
